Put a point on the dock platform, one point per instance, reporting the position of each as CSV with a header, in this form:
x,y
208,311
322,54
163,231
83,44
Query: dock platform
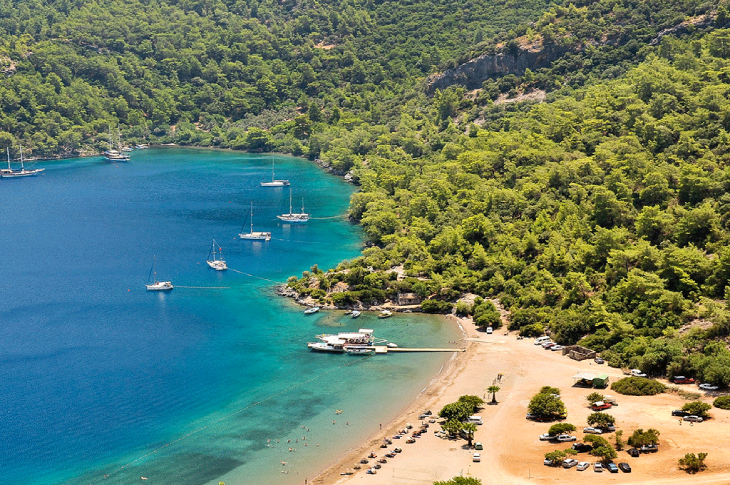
x,y
382,349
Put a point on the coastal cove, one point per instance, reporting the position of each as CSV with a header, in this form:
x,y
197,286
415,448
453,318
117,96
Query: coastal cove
x,y
105,382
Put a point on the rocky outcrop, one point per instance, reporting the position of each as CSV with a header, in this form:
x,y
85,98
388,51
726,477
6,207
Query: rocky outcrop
x,y
473,73
686,27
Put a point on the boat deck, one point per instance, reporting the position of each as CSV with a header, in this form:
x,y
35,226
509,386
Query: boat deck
x,y
382,349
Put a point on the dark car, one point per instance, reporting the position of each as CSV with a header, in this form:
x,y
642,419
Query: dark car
x,y
599,360
612,468
680,413
582,447
624,467
633,452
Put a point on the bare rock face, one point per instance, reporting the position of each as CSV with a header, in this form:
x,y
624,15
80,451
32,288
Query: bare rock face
x,y
473,73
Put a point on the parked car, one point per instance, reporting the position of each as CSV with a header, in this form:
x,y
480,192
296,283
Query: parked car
x,y
548,437
569,463
637,373
531,416
683,380
609,429
566,437
597,467
680,413
478,445
592,430
489,330
649,449
582,466
599,360
693,418
547,345
633,452
582,447
547,462
476,457
708,387
612,468
556,347
624,467
601,405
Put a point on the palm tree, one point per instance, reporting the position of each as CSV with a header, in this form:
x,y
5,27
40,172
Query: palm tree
x,y
494,390
469,429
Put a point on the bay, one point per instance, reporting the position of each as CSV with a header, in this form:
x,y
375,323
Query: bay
x,y
104,382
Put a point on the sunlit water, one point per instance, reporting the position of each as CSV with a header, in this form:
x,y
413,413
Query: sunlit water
x,y
104,382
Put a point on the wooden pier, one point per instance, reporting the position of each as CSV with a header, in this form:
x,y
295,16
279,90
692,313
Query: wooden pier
x,y
383,349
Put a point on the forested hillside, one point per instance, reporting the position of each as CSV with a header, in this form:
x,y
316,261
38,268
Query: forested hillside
x,y
602,215
232,74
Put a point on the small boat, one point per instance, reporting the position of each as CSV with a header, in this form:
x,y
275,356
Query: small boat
x,y
213,262
328,346
311,310
292,216
23,172
141,146
356,313
255,236
274,182
115,154
157,285
392,345
385,314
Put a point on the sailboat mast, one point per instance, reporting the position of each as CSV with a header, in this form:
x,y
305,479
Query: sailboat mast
x,y
8,150
290,200
22,167
251,217
272,170
302,205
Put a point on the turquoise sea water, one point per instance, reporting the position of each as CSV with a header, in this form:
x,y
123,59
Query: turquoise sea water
x,y
104,382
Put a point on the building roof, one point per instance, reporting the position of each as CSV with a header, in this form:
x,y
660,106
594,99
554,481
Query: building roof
x,y
584,375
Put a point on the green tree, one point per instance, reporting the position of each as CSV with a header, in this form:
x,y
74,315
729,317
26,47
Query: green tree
x,y
457,411
547,405
493,390
692,463
460,481
619,444
600,420
474,402
556,457
561,428
452,426
697,408
469,429
594,397
641,438
605,453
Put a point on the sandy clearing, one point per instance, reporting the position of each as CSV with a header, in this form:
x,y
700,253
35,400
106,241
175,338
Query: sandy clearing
x,y
512,453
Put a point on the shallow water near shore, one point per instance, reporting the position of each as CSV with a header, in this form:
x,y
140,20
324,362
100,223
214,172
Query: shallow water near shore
x,y
104,382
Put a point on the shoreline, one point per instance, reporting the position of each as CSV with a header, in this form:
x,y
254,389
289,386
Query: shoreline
x,y
426,399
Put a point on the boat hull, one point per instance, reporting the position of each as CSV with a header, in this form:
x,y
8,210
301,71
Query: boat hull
x,y
217,265
256,236
160,286
322,347
293,217
275,183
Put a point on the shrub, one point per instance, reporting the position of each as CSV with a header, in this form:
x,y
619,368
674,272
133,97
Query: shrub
x,y
561,428
594,397
534,330
547,405
638,386
601,420
698,408
722,402
475,402
641,438
436,306
693,463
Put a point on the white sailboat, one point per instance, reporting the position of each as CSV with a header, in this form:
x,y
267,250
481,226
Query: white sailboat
x,y
115,154
294,217
23,172
274,182
257,235
157,285
213,262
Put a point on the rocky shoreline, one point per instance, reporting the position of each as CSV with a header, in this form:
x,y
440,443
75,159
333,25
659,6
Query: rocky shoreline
x,y
308,301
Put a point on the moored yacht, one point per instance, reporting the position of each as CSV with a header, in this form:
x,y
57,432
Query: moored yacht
x,y
255,235
274,182
214,262
292,216
157,285
23,172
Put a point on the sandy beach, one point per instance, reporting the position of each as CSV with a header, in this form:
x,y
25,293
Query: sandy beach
x,y
512,452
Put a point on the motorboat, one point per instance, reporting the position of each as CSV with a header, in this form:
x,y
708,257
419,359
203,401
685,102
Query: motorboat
x,y
392,345
331,345
274,182
311,310
255,235
385,314
293,216
157,285
356,313
338,342
359,350
217,263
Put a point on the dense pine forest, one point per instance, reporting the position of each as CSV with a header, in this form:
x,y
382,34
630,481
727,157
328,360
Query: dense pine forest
x,y
582,179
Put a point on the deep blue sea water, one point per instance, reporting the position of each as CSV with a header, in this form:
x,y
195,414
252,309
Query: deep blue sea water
x,y
104,382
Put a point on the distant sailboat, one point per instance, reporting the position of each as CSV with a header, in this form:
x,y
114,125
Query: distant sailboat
x,y
23,172
255,236
213,262
274,182
157,285
115,154
294,217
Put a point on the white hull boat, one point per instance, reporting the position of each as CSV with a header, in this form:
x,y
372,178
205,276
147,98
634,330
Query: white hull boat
x,y
385,314
337,347
356,313
354,350
294,217
115,154
23,172
157,285
274,182
309,311
255,235
213,261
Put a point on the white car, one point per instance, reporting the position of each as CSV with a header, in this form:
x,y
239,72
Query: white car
x,y
593,430
708,387
556,347
637,373
476,457
693,418
566,437
597,467
548,437
489,330
569,463
582,466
